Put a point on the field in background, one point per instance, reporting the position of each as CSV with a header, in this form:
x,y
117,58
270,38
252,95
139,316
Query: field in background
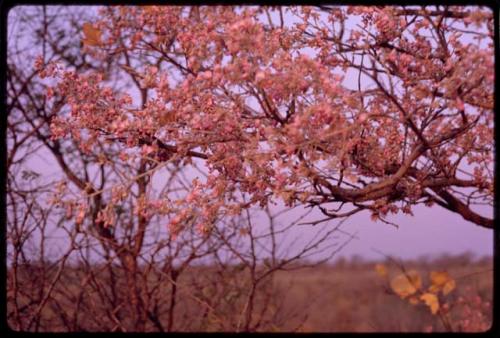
x,y
345,296
350,296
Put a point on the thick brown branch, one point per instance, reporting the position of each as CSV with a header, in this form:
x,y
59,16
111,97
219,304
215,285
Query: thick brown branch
x,y
455,205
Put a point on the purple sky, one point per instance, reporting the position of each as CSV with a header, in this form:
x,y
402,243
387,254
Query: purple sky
x,y
432,231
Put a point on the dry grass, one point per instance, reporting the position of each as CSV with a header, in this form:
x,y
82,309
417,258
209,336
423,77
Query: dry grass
x,y
344,297
351,297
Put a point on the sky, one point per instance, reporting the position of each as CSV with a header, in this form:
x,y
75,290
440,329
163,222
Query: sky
x,y
431,231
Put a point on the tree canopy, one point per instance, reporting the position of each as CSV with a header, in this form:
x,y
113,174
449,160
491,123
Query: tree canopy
x,y
344,109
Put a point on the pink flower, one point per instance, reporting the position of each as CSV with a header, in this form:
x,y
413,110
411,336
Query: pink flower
x,y
259,76
362,117
207,75
392,56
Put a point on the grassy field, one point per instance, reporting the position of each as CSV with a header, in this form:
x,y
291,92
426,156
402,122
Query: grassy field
x,y
351,297
347,296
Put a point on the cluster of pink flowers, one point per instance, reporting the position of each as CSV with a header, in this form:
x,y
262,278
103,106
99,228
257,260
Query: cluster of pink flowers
x,y
268,107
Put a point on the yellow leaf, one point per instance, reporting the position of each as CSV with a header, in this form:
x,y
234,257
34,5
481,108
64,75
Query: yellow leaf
x,y
406,284
413,300
431,301
381,270
92,35
415,278
439,278
441,281
448,287
433,289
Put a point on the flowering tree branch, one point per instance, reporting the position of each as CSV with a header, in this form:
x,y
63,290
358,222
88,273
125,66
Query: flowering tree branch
x,y
270,108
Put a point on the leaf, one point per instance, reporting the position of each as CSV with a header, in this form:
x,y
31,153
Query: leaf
x,y
448,287
381,270
431,301
405,285
434,289
413,300
92,35
441,280
415,278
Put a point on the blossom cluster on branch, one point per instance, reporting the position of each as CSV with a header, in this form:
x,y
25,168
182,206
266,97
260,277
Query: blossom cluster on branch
x,y
341,108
